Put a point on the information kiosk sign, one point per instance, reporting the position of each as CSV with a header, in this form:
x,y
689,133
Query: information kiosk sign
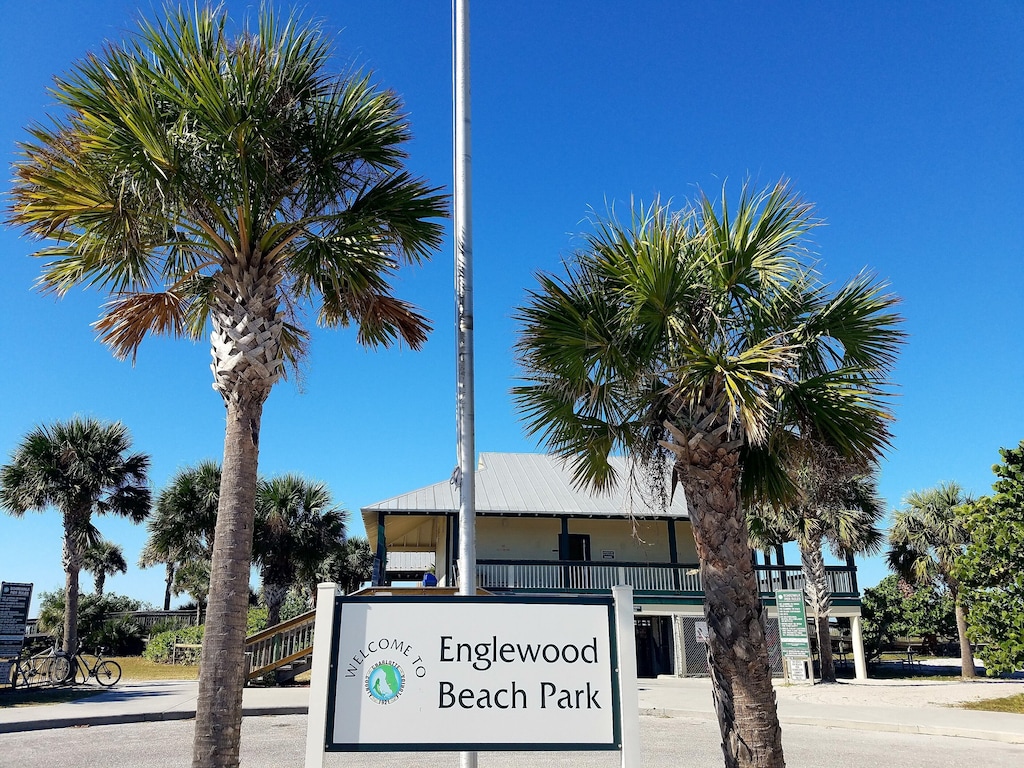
x,y
793,639
14,603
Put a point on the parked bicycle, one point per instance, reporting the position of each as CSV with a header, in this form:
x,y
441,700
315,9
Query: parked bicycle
x,y
51,667
81,666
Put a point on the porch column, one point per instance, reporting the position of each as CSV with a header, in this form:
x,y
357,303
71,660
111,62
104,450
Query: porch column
x,y
563,539
380,560
673,553
563,550
680,645
856,636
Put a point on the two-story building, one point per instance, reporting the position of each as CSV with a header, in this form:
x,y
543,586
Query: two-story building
x,y
538,534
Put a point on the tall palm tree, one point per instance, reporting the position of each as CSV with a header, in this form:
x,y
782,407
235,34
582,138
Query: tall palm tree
x,y
699,338
837,505
79,467
205,178
182,524
103,558
927,536
297,528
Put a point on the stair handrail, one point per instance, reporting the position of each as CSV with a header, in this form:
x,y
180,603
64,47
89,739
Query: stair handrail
x,y
263,634
259,641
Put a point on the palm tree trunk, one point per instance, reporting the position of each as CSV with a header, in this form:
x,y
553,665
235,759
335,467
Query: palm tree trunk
x,y
72,562
222,662
966,654
247,361
100,579
274,595
738,653
168,584
813,563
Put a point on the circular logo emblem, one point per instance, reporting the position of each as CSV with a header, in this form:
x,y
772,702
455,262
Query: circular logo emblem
x,y
385,682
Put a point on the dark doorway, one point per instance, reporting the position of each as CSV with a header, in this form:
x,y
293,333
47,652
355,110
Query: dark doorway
x,y
577,546
653,646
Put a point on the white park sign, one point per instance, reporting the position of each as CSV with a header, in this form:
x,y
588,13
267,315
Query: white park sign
x,y
474,673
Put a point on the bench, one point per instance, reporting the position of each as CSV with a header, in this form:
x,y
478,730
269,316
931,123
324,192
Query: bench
x,y
184,647
909,647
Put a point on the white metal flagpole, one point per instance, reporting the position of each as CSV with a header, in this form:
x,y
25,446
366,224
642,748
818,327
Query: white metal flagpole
x,y
464,305
464,311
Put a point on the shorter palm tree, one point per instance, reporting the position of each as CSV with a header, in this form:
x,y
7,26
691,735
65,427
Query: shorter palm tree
x,y
79,467
297,528
193,579
103,558
836,505
182,524
349,567
928,535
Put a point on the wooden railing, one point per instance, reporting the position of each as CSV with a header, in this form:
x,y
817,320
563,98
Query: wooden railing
x,y
148,619
279,645
656,578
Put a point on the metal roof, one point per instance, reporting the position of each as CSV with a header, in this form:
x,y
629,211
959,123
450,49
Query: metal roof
x,y
534,484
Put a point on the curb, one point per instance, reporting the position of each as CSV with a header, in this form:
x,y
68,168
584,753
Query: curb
x,y
135,717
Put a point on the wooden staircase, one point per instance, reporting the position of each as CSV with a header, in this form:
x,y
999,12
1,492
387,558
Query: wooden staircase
x,y
285,649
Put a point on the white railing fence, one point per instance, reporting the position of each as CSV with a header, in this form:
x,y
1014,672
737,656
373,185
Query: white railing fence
x,y
588,576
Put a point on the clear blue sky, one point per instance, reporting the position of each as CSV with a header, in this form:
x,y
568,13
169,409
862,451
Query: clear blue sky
x,y
903,122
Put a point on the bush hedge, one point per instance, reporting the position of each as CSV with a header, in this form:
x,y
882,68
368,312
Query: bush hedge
x,y
161,645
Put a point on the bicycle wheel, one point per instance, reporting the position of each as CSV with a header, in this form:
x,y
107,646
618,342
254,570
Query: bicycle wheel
x,y
59,670
107,672
33,672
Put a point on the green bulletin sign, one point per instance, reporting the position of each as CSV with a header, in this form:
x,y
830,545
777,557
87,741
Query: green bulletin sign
x,y
793,639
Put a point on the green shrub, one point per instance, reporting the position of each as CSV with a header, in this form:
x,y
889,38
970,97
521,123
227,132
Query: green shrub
x,y
294,605
256,621
121,637
161,646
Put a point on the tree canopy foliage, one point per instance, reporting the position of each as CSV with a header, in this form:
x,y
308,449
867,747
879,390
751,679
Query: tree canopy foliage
x,y
991,569
894,608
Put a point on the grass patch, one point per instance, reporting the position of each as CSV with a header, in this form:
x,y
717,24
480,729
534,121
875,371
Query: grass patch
x,y
139,668
1013,704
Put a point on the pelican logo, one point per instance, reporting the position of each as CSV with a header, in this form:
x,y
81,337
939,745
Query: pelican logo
x,y
385,682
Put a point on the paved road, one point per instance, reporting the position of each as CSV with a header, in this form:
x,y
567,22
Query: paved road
x,y
278,742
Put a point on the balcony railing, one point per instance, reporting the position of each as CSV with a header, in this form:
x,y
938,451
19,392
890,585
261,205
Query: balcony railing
x,y
575,576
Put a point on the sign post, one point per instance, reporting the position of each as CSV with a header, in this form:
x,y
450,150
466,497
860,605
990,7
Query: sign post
x,y
473,673
793,640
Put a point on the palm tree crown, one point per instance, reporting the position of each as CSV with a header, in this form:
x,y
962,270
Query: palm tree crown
x,y
201,177
703,338
101,559
183,521
297,528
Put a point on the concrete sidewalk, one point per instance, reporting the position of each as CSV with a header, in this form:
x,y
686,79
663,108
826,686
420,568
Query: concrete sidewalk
x,y
903,706
906,706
